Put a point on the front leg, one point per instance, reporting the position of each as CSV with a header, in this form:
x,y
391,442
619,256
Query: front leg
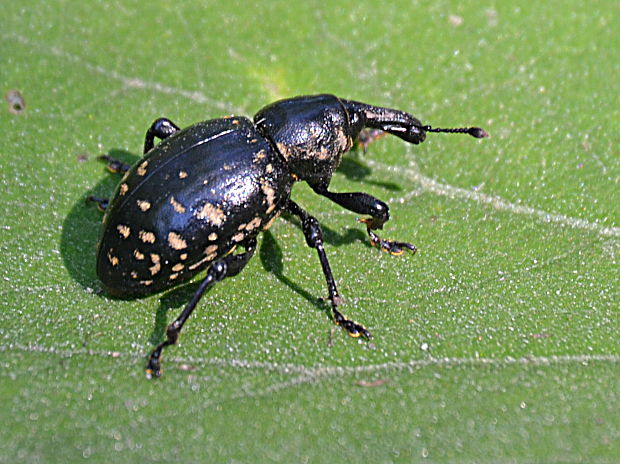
x,y
363,203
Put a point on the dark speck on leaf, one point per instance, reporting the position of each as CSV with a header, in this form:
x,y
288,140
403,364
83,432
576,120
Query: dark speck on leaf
x,y
17,104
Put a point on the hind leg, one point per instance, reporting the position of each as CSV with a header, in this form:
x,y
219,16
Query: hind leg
x,y
228,266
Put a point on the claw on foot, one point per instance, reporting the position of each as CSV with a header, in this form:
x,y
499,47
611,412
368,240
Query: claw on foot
x,y
392,247
389,246
102,203
113,165
153,369
354,329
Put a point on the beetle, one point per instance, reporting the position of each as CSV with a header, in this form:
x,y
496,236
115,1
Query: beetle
x,y
206,191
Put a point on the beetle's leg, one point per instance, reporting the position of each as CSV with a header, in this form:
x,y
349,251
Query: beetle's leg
x,y
215,273
161,128
368,136
314,239
229,266
363,203
114,165
102,203
237,262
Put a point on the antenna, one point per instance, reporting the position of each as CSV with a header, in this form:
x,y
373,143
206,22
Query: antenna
x,y
473,131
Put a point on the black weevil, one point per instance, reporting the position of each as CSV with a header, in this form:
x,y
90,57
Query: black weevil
x,y
206,190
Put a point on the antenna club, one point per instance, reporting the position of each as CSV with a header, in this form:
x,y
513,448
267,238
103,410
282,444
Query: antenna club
x,y
476,132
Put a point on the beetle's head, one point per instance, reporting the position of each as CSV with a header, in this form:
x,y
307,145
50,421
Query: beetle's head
x,y
395,122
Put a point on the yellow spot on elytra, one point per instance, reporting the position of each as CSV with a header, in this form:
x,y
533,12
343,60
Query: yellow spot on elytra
x,y
259,156
195,265
123,230
156,265
242,226
209,257
178,207
146,282
212,237
113,259
182,174
214,214
173,276
283,149
205,182
183,256
253,224
238,237
269,168
142,168
228,167
176,241
123,188
271,221
143,205
178,267
270,193
211,249
146,237
139,256
134,275
235,122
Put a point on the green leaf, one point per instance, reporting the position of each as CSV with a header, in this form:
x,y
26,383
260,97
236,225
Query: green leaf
x,y
496,342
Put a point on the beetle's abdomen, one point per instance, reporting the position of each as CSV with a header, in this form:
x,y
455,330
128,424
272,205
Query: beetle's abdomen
x,y
190,200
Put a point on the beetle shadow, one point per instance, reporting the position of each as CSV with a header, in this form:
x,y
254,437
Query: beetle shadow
x,y
330,236
80,236
175,298
271,258
82,226
354,169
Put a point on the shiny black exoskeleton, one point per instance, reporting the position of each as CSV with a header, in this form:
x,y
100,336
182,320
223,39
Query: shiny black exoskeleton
x,y
207,190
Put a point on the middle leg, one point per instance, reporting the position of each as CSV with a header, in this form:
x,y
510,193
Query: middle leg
x,y
314,239
228,266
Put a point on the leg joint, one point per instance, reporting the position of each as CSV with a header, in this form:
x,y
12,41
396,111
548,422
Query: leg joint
x,y
381,211
219,270
312,232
